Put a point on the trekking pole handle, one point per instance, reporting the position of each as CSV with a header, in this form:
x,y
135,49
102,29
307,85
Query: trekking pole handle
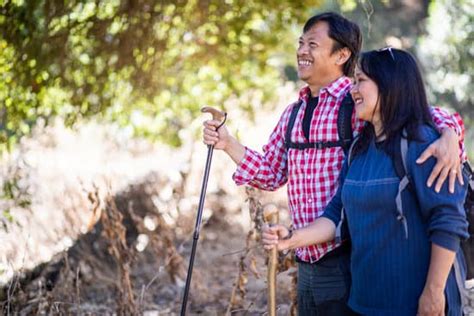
x,y
216,114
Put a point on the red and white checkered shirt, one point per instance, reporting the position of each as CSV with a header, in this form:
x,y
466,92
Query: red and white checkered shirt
x,y
312,174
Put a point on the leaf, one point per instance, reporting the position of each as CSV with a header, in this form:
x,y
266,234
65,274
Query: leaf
x,y
253,267
7,215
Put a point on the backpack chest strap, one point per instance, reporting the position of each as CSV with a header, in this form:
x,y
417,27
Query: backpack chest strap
x,y
316,145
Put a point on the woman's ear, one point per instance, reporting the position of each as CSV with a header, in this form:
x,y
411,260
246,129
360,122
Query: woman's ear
x,y
343,55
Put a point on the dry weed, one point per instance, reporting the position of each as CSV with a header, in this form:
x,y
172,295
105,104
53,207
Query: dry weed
x,y
115,233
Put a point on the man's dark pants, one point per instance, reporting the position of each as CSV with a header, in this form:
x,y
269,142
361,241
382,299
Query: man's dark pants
x,y
323,286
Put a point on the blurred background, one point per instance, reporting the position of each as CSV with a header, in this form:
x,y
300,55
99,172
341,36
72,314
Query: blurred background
x,y
101,157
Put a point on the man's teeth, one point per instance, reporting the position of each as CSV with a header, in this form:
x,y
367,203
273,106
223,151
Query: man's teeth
x,y
304,62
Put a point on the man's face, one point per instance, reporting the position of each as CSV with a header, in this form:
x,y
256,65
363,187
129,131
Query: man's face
x,y
315,60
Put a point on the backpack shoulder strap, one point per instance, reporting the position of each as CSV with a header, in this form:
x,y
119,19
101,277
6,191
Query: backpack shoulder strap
x,y
470,174
400,165
350,152
349,156
469,201
344,122
291,123
399,161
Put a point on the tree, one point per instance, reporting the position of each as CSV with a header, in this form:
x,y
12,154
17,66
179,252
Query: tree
x,y
448,55
146,64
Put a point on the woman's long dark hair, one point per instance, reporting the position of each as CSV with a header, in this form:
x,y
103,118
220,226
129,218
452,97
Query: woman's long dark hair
x,y
402,97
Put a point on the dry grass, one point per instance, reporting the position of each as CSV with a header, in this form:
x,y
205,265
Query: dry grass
x,y
84,248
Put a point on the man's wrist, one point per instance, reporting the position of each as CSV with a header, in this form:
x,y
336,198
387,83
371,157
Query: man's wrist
x,y
230,145
450,131
235,150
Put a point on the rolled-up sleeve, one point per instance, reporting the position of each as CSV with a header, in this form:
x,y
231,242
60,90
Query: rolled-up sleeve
x,y
443,119
267,171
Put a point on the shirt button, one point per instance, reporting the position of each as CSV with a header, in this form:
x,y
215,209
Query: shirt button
x,y
310,200
309,177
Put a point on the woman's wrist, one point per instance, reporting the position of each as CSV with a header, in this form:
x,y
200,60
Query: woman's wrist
x,y
286,241
434,287
289,235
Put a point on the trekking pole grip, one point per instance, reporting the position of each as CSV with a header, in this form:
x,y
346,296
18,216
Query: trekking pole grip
x,y
270,214
216,114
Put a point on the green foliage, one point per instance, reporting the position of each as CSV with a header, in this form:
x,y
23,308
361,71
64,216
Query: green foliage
x,y
384,22
13,191
7,215
449,55
149,65
15,195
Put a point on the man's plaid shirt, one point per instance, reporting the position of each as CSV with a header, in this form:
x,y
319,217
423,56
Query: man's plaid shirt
x,y
312,174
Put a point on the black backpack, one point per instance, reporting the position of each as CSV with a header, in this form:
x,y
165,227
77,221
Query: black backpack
x,y
344,128
468,245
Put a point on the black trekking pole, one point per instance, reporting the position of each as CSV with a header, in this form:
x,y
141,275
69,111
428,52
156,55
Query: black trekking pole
x,y
216,115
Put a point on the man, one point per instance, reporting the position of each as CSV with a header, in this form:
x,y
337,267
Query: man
x,y
326,56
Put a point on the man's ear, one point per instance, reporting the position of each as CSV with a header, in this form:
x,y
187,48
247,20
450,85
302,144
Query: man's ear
x,y
343,55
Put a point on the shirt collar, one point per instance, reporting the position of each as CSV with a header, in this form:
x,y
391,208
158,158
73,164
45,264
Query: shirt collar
x,y
336,88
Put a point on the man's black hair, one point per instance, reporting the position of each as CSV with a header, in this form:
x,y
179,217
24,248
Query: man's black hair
x,y
344,33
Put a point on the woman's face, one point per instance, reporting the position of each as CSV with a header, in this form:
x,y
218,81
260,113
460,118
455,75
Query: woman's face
x,y
366,98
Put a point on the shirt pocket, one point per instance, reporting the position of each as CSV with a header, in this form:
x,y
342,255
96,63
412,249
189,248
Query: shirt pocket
x,y
360,195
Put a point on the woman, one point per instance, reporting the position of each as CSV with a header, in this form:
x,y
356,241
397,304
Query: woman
x,y
397,268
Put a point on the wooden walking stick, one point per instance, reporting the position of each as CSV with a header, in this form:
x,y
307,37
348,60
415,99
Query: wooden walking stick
x,y
270,214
